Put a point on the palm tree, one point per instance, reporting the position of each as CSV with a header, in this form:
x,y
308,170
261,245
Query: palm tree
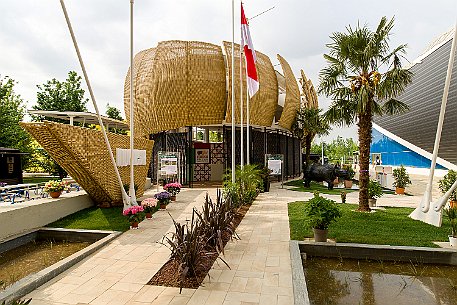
x,y
309,122
363,78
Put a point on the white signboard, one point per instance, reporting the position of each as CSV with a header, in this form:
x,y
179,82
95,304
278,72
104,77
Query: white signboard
x,y
169,165
275,167
123,157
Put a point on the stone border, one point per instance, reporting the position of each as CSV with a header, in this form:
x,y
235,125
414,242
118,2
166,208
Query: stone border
x,y
298,275
380,252
359,251
33,281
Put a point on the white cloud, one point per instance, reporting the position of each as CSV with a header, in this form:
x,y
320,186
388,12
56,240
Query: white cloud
x,y
35,45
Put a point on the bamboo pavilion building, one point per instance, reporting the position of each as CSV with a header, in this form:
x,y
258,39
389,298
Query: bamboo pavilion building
x,y
183,100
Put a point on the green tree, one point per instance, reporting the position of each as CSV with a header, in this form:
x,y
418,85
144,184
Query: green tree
x,y
61,96
341,148
309,122
363,77
12,111
114,113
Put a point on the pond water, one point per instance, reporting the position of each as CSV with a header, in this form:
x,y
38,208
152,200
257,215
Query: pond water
x,y
33,257
347,281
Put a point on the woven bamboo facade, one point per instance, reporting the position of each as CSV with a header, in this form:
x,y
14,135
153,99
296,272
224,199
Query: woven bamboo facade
x,y
309,93
178,83
263,104
292,101
82,153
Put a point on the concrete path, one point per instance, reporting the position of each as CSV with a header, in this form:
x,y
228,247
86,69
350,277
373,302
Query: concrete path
x,y
260,262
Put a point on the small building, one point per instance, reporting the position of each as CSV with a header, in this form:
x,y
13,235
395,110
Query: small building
x,y
10,166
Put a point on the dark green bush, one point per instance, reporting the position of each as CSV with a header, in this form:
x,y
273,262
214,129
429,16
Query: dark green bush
x,y
320,212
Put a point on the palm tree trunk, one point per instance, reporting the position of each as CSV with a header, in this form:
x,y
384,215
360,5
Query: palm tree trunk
x,y
308,140
364,125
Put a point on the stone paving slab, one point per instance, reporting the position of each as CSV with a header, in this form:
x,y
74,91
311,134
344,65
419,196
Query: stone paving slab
x,y
260,268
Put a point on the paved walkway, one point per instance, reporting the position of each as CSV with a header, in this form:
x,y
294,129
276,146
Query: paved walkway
x,y
117,274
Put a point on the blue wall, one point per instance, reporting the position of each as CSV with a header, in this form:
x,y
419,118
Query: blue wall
x,y
393,153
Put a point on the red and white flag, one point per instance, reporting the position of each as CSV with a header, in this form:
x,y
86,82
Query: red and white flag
x,y
249,53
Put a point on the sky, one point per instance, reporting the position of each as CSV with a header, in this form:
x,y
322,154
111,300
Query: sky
x,y
35,45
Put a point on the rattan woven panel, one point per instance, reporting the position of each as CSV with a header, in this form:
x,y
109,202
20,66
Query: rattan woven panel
x,y
143,116
82,153
178,83
309,92
292,101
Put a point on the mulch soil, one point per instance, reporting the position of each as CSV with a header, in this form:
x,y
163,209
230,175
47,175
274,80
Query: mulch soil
x,y
169,274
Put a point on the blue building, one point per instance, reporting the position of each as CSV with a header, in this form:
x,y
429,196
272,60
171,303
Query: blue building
x,y
408,139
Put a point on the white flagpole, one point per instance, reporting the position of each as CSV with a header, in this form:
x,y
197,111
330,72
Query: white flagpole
x,y
248,131
233,91
125,198
132,98
241,103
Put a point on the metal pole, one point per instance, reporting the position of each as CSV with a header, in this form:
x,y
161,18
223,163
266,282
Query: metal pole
x,y
125,197
425,203
241,104
248,131
132,99
233,91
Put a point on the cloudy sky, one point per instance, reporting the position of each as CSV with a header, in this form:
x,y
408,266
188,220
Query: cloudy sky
x,y
35,45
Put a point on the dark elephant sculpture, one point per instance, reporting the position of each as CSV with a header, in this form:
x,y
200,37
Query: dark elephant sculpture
x,y
322,172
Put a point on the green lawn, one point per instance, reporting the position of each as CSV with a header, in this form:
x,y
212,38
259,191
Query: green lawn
x,y
389,227
94,219
38,179
314,186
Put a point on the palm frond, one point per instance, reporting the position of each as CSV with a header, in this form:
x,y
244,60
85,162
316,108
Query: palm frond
x,y
394,106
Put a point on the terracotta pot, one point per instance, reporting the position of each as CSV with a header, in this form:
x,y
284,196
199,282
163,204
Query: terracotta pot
x,y
371,202
320,235
452,241
163,206
453,204
55,194
134,225
148,215
336,181
348,184
173,198
400,190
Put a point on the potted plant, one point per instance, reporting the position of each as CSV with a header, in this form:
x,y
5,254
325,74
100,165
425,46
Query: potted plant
x,y
343,196
350,173
451,214
163,198
374,192
149,205
446,183
135,215
54,188
319,213
401,179
173,188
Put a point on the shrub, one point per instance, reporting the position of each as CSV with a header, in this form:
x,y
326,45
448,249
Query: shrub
x,y
374,189
350,172
188,246
321,212
451,214
248,182
401,177
173,188
446,183
216,219
134,213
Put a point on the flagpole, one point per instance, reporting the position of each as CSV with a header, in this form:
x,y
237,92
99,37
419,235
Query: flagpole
x,y
233,91
132,98
125,198
241,102
248,131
